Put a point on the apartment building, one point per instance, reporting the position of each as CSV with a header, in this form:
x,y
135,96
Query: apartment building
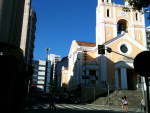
x,y
11,18
28,32
59,73
11,57
41,75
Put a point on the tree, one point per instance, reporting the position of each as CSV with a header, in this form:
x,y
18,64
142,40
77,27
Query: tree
x,y
139,5
51,86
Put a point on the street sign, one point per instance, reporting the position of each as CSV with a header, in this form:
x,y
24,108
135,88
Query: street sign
x,y
142,64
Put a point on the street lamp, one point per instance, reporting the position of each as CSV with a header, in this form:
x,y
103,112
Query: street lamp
x,y
46,68
47,49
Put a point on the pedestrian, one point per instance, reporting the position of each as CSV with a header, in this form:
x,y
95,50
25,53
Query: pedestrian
x,y
53,100
126,104
50,101
122,103
142,104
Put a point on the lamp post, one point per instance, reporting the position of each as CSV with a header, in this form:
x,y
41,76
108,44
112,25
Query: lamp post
x,y
47,49
46,68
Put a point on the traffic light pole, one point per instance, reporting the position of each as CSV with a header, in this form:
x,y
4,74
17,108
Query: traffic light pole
x,y
101,50
147,88
109,50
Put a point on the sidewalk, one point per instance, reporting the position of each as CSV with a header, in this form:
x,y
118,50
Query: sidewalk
x,y
117,108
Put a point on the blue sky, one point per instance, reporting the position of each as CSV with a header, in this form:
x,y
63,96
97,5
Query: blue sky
x,y
61,21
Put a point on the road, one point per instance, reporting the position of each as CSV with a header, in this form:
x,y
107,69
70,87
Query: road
x,y
75,108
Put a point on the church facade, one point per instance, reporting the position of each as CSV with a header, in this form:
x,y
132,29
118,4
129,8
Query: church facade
x,y
124,33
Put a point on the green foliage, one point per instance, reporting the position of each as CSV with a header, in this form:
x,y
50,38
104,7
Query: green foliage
x,y
51,86
138,5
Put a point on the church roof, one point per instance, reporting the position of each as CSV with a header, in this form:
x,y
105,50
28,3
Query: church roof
x,y
87,44
66,68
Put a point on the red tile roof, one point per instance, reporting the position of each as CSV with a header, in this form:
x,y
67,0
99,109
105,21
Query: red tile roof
x,y
87,44
66,68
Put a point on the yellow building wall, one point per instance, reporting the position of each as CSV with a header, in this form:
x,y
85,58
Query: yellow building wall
x,y
139,36
109,33
90,57
64,77
112,58
115,57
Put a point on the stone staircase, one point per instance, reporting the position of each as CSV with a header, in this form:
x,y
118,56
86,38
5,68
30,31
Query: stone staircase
x,y
133,98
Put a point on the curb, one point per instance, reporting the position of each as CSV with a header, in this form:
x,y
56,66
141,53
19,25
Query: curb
x,y
115,107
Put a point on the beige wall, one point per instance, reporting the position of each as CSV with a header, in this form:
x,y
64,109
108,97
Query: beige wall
x,y
64,76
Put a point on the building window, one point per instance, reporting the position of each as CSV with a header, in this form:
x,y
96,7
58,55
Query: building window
x,y
92,72
136,16
109,33
108,13
102,0
107,1
139,36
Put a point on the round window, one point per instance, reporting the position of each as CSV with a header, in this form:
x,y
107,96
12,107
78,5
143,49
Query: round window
x,y
124,48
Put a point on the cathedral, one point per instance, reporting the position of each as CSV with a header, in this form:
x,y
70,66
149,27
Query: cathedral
x,y
123,32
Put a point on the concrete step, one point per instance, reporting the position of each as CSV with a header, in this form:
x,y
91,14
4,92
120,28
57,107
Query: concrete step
x,y
133,98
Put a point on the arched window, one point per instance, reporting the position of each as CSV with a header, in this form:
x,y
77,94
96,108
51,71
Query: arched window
x,y
136,16
102,0
122,27
108,13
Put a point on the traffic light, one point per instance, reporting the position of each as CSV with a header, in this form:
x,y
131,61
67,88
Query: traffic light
x,y
101,49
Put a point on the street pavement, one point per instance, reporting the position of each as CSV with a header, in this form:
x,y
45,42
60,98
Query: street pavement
x,y
78,108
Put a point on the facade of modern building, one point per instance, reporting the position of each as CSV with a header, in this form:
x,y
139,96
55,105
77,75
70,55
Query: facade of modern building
x,y
58,73
11,58
148,37
31,36
11,17
27,38
41,76
54,59
28,32
124,33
